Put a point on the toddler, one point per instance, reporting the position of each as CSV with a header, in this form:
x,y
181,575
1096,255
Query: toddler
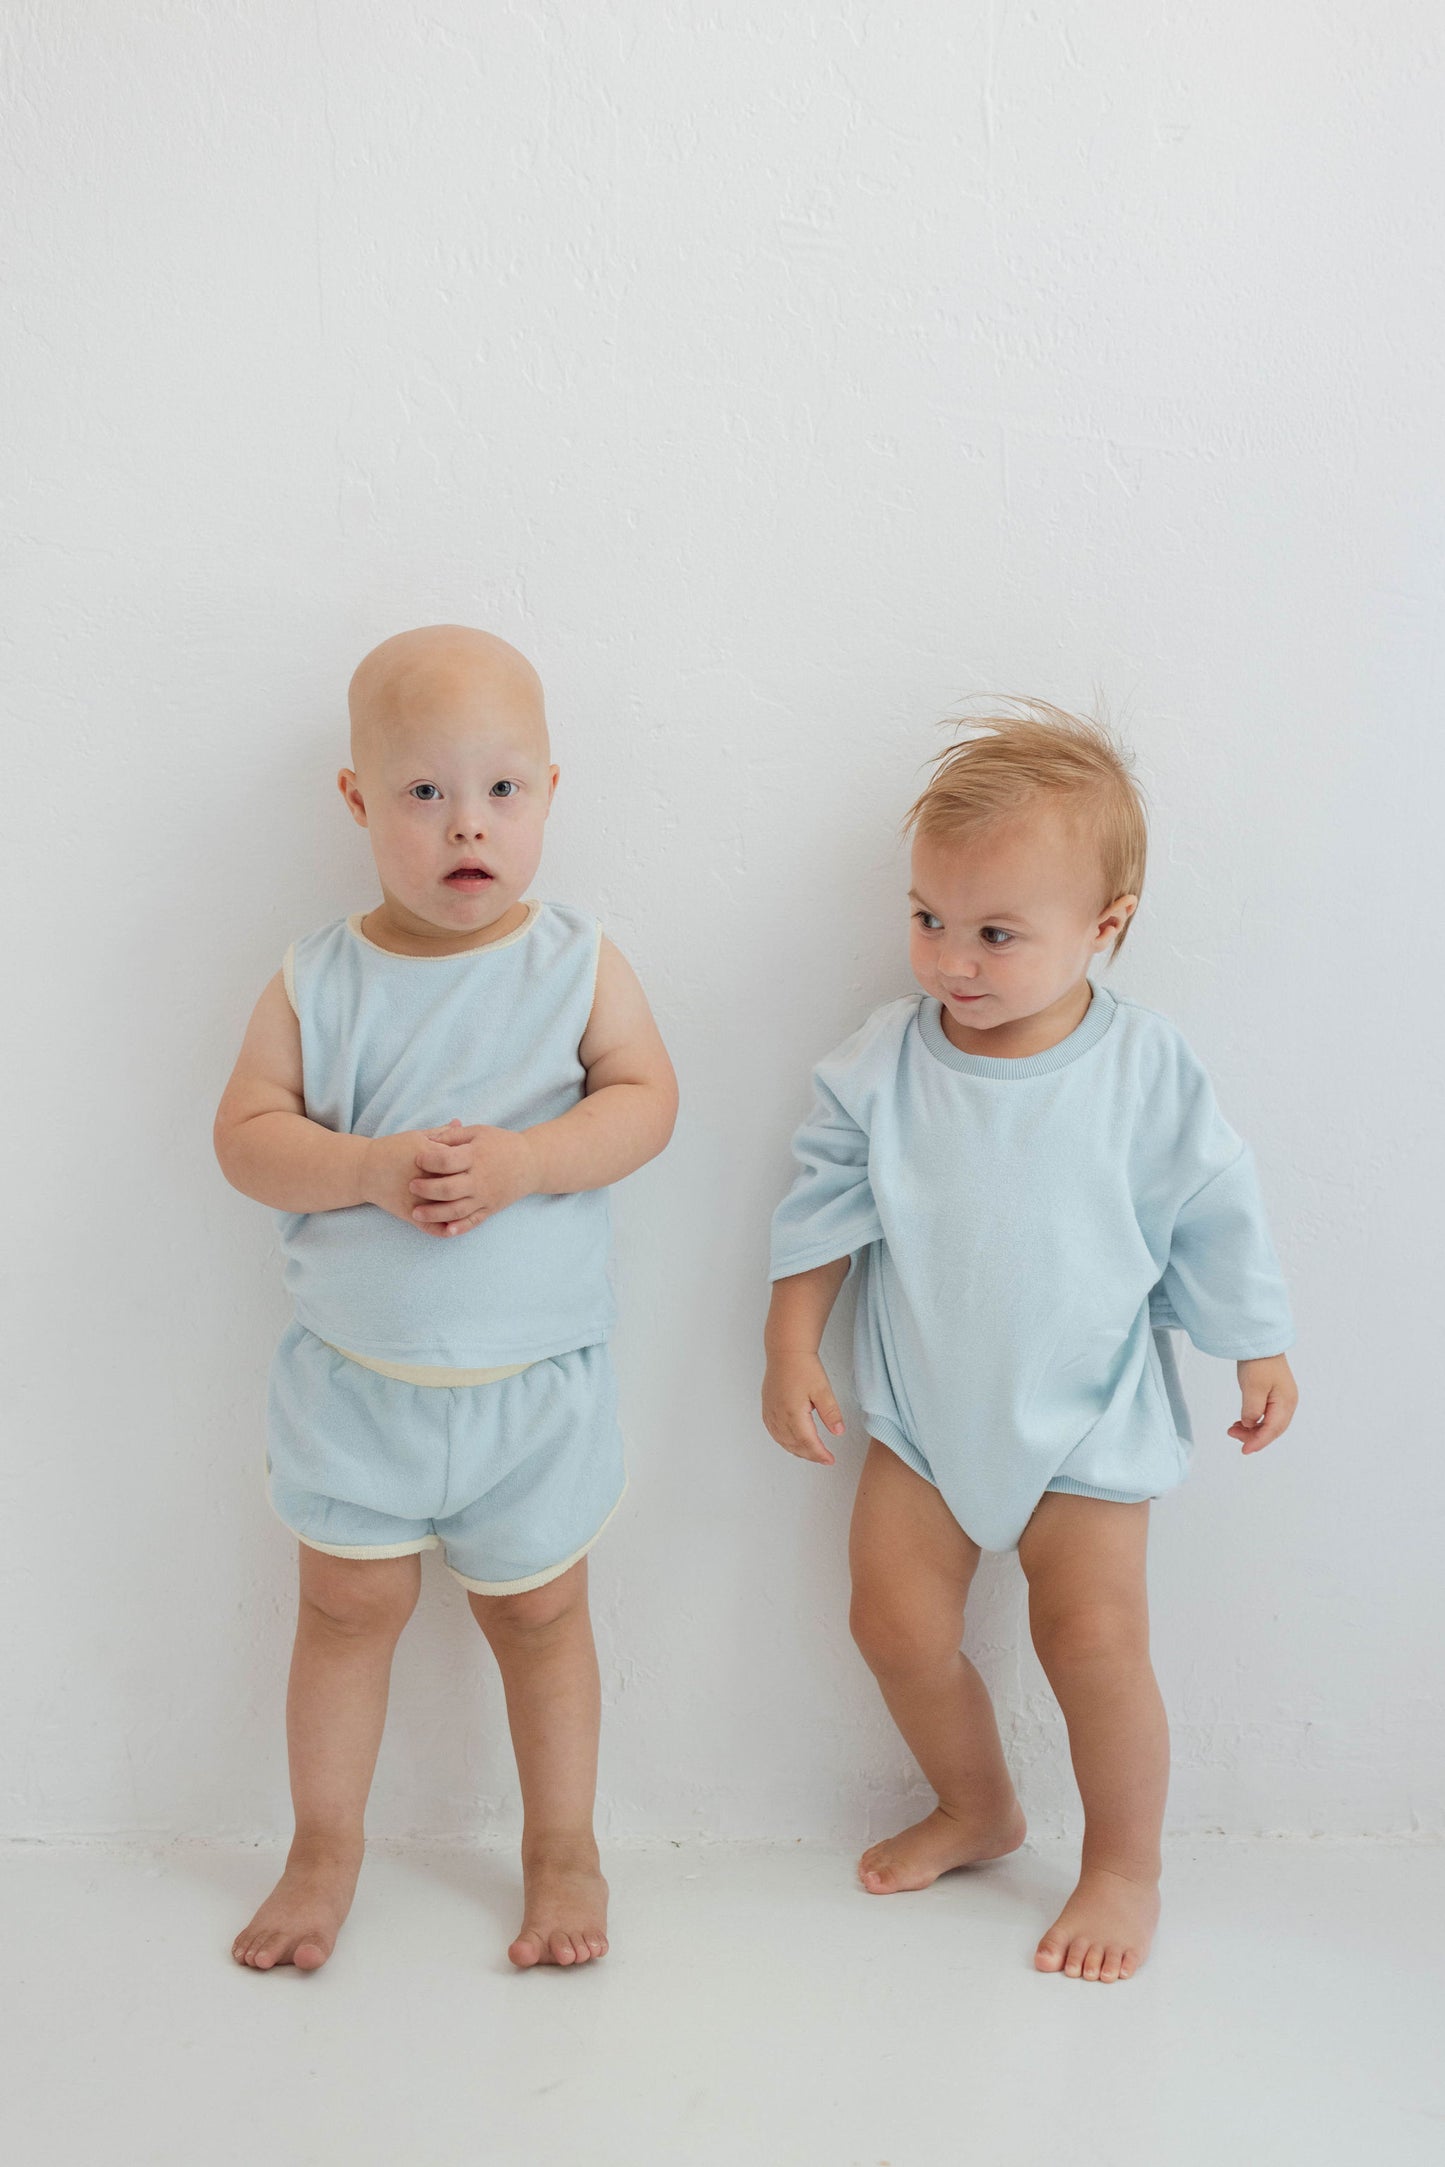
x,y
1040,1188
434,1094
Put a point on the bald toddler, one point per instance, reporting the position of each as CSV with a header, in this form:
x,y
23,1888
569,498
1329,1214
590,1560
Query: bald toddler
x,y
434,1096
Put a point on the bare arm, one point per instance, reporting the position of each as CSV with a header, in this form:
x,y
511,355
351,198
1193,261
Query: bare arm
x,y
796,1385
271,1150
630,1106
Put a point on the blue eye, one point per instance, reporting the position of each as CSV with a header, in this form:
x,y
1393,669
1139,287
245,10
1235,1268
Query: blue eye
x,y
929,923
1004,936
505,789
416,788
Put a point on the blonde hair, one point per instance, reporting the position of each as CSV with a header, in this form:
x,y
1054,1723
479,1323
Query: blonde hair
x,y
1028,752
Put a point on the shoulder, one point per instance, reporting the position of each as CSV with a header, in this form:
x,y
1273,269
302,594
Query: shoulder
x,y
309,955
568,920
334,933
868,1058
1160,1057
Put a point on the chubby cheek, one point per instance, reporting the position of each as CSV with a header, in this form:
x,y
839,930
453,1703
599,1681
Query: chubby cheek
x,y
520,849
923,961
418,857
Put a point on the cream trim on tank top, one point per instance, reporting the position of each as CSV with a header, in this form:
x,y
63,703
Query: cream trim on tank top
x,y
486,948
423,1373
412,1372
353,926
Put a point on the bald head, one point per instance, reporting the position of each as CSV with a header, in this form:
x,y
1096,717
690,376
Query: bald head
x,y
444,676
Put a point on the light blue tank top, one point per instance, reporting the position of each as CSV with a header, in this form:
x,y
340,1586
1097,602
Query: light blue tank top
x,y
394,1042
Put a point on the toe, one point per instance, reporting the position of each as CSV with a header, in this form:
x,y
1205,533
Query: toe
x,y
1093,1961
1110,1971
561,1948
526,1951
310,1955
1074,1961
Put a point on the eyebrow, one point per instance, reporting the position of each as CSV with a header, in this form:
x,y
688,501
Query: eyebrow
x,y
992,917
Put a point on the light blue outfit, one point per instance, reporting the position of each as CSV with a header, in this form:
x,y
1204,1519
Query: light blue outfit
x,y
513,1481
380,1442
1030,1232
394,1042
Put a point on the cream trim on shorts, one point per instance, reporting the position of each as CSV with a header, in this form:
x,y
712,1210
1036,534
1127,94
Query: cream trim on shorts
x,y
534,1580
434,1542
423,1373
370,1550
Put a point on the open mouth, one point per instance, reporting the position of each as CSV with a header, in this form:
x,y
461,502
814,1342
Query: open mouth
x,y
468,876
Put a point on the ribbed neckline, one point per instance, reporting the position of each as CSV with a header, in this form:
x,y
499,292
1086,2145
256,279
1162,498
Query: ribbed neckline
x,y
461,955
1091,1027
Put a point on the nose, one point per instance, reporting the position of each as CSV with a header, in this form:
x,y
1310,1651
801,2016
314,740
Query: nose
x,y
957,965
468,825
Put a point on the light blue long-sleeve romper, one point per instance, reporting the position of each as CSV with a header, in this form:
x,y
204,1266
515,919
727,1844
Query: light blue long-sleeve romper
x,y
1030,1233
454,1392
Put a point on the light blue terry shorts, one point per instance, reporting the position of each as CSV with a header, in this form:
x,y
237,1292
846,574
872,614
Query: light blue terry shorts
x,y
513,1480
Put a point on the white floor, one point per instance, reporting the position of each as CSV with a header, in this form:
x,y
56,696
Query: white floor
x,y
756,2011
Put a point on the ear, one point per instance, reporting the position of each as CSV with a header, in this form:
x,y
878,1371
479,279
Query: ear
x,y
350,789
1112,920
552,774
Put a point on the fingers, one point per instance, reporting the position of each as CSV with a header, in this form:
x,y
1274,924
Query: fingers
x,y
794,1431
827,1408
447,1211
440,1188
443,1158
1264,1417
455,1132
443,1229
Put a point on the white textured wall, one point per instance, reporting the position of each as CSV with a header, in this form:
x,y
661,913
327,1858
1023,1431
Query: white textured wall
x,y
774,375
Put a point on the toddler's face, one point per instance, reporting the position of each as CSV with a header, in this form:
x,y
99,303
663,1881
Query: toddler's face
x,y
1005,923
455,805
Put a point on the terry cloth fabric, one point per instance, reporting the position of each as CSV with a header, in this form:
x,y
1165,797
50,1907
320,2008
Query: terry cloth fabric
x,y
1030,1232
393,1042
513,1481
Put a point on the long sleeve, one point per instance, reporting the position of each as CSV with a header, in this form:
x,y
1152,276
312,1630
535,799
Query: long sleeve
x,y
1223,1283
829,1211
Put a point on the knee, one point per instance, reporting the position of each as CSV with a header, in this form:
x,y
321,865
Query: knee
x,y
366,1600
892,1638
1094,1632
530,1617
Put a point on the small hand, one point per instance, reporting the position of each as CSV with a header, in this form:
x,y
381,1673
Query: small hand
x,y
795,1386
464,1176
1270,1396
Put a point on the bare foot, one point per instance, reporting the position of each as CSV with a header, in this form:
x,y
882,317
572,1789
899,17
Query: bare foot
x,y
301,1918
917,1856
564,1909
1104,1930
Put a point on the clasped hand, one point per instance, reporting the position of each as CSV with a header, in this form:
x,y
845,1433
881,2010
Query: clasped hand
x,y
464,1176
446,1181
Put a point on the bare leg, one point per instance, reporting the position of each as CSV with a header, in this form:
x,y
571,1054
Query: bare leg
x,y
349,1619
543,1644
1088,1610
912,1567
